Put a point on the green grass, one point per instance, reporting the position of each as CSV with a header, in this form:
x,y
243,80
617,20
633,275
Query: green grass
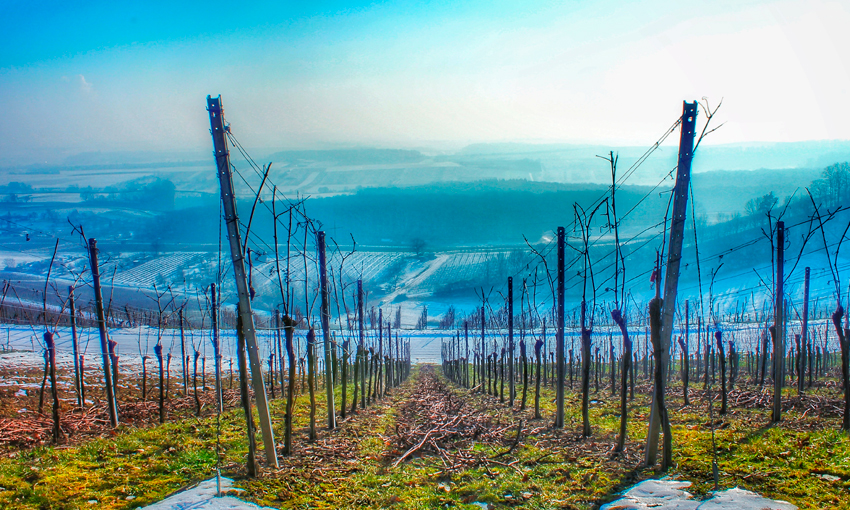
x,y
551,469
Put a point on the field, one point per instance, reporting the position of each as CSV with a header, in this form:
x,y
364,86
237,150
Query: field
x,y
474,450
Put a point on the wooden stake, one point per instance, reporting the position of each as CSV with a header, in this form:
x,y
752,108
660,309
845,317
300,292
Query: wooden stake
x,y
222,157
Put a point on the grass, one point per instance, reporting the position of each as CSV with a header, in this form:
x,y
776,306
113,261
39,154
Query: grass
x,y
795,460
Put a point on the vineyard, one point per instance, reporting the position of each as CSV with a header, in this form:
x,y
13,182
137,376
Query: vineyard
x,y
591,368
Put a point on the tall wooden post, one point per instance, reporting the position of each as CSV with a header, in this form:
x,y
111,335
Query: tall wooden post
x,y
101,326
222,158
326,330
671,280
559,341
779,324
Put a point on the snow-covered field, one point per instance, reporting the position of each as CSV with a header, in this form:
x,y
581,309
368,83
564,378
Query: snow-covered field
x,y
133,343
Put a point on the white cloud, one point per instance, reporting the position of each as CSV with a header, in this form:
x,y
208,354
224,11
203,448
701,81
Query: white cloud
x,y
84,85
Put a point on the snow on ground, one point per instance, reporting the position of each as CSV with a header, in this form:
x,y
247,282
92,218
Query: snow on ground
x,y
424,344
203,497
670,495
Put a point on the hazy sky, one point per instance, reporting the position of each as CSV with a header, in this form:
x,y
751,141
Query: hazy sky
x,y
133,75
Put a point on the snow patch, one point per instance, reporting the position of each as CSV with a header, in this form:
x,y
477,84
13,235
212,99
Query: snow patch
x,y
203,497
669,495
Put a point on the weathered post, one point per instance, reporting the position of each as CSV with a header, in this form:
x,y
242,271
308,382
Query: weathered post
x,y
718,335
511,385
326,330
228,199
288,332
183,354
620,321
466,361
779,324
251,465
78,385
311,380
686,354
559,341
484,358
585,372
804,335
101,325
671,283
360,342
157,349
216,346
345,345
538,345
379,373
51,356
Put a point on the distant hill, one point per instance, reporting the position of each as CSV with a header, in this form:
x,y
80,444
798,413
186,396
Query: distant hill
x,y
727,191
344,157
744,156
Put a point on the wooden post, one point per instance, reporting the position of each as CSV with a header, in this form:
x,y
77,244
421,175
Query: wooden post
x,y
620,321
216,346
77,371
280,358
157,349
671,281
559,341
360,342
484,357
779,324
289,332
101,324
804,334
390,368
344,377
326,330
466,361
511,385
51,356
686,353
251,465
311,380
183,355
379,367
222,157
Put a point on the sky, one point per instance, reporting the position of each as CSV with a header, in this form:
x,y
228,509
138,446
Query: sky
x,y
134,75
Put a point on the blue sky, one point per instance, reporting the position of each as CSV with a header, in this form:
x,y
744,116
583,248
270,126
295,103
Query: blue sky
x,y
134,75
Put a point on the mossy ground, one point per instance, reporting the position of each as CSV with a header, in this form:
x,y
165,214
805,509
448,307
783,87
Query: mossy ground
x,y
351,467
